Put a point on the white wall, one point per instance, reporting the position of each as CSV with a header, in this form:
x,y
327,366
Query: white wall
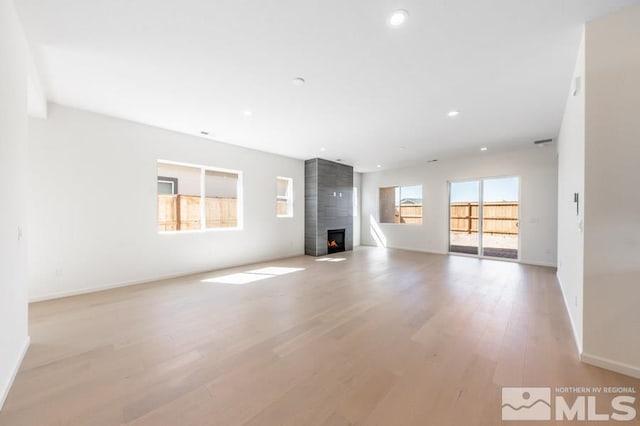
x,y
571,149
612,179
357,183
13,195
536,167
93,204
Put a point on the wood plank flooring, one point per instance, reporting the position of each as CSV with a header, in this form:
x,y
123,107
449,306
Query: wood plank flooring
x,y
383,337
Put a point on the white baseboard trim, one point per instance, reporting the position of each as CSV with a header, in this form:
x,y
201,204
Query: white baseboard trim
x,y
576,338
444,253
87,290
5,391
522,261
406,249
609,364
537,263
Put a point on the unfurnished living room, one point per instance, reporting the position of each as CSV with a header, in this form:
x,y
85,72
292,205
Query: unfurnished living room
x,y
386,212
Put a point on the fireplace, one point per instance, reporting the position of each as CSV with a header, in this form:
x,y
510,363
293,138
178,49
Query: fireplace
x,y
328,207
335,240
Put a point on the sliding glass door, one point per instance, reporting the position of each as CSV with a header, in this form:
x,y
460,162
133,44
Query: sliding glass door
x,y
500,205
484,217
464,217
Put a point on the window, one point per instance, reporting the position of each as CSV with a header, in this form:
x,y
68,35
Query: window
x,y
284,197
401,204
197,198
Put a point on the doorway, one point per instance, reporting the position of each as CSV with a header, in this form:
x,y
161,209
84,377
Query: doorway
x,y
484,217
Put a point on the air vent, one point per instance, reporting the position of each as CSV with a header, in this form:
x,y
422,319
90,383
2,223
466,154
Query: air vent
x,y
543,141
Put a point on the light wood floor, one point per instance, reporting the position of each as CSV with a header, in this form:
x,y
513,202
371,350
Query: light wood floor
x,y
385,337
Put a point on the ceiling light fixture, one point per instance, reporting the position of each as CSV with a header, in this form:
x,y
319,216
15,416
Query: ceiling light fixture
x,y
378,166
453,113
323,149
398,18
484,148
298,81
247,113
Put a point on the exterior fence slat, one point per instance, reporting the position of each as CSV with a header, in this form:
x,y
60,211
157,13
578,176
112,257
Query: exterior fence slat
x,y
182,212
499,218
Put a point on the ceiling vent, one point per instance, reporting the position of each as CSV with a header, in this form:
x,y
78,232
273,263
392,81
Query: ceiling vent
x,y
543,141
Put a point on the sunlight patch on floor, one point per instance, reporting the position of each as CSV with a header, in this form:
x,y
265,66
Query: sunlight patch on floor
x,y
247,277
275,270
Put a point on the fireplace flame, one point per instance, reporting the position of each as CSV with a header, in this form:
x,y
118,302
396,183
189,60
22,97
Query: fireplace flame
x,y
332,243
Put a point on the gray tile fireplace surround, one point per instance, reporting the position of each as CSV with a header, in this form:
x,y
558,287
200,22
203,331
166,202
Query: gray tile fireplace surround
x,y
328,202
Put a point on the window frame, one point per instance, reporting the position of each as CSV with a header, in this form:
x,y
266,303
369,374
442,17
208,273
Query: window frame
x,y
288,198
399,188
203,196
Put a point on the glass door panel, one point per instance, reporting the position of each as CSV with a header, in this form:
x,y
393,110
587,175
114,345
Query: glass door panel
x,y
464,217
500,208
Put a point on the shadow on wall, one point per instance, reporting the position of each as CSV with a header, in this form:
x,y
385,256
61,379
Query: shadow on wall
x,y
376,232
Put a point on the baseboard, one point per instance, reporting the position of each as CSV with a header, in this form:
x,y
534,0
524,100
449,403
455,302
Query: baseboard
x,y
618,367
5,392
576,339
609,364
87,290
444,253
537,263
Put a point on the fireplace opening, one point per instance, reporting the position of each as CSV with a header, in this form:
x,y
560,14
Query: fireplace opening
x,y
335,240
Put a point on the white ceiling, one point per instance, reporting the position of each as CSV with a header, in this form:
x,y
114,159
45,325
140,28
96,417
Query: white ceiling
x,y
374,94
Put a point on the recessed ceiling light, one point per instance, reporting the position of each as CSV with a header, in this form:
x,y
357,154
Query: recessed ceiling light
x,y
398,18
298,81
484,148
247,113
323,149
378,166
453,113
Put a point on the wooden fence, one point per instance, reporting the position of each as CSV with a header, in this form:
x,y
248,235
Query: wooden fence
x,y
182,212
281,207
498,218
408,213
